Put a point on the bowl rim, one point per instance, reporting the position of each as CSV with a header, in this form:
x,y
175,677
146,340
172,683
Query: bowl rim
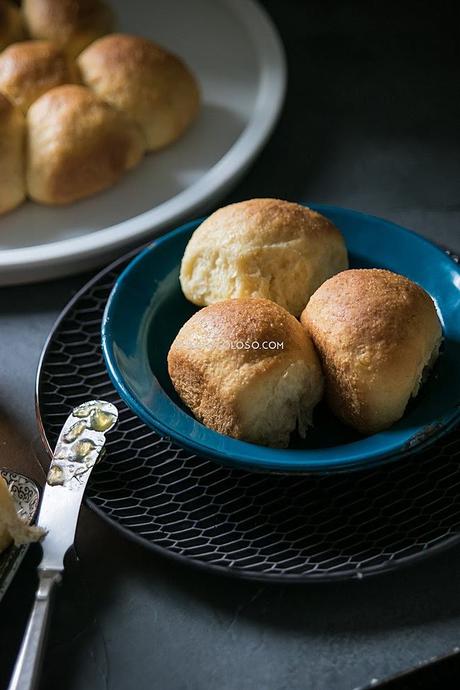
x,y
366,452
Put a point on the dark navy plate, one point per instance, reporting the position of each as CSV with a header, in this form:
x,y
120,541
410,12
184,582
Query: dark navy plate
x,y
146,309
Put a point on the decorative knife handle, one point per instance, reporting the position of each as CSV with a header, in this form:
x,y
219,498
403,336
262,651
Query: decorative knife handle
x,y
79,447
27,669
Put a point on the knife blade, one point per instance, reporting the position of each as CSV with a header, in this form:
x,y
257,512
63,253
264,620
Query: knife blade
x,y
80,445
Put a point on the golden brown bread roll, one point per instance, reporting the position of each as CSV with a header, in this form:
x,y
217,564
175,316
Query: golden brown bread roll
x,y
262,248
11,25
375,331
152,86
227,366
12,168
77,145
31,68
12,527
71,24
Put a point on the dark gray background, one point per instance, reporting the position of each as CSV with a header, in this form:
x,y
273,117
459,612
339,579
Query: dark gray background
x,y
371,122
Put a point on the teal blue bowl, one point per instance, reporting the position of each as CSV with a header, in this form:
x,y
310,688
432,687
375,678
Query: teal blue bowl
x,y
146,309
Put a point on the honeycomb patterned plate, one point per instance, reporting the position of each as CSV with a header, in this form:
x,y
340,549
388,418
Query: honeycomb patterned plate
x,y
264,526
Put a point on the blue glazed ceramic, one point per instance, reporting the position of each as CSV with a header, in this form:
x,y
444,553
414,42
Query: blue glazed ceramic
x,y
147,308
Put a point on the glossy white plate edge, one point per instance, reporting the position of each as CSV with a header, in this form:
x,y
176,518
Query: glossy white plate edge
x,y
39,262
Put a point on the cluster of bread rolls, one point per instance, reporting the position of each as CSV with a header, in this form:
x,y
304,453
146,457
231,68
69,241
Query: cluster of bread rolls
x,y
366,337
79,105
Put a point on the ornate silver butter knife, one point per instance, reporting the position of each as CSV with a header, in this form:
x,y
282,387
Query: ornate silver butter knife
x,y
79,446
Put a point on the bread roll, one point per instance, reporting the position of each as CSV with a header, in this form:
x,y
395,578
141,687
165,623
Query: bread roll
x,y
262,248
247,369
71,24
12,172
12,528
376,332
152,86
11,25
31,68
77,145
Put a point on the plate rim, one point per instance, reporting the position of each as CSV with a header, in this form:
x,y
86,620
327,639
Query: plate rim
x,y
264,35
251,457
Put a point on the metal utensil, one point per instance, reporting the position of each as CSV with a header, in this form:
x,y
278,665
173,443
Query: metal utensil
x,y
26,495
79,446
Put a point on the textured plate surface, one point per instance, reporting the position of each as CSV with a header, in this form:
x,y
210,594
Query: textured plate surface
x,y
146,309
274,527
237,56
26,495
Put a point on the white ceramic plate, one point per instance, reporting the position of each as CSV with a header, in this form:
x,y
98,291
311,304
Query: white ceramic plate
x,y
234,50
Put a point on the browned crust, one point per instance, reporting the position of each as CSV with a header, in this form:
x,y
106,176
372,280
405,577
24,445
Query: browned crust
x,y
150,84
78,145
209,379
271,221
31,68
66,17
130,52
373,329
12,167
72,24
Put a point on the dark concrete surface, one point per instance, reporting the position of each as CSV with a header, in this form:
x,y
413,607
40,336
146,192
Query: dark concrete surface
x,y
371,122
